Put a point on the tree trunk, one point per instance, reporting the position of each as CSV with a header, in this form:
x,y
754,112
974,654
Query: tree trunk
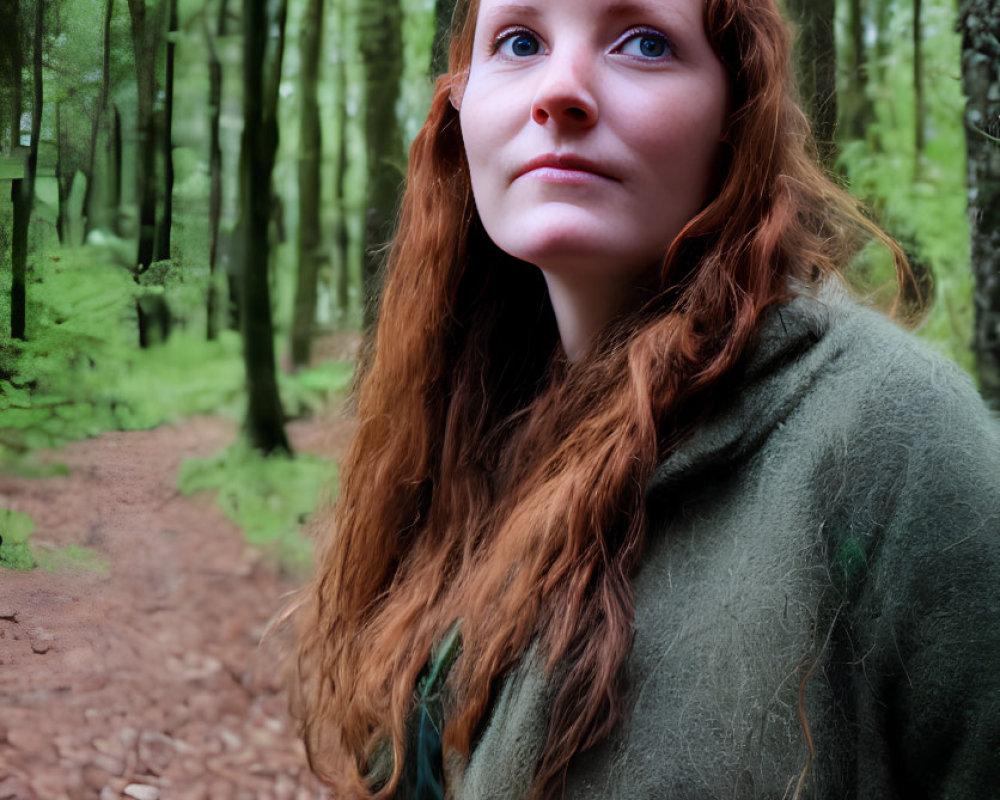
x,y
151,311
89,199
919,107
382,50
860,112
162,250
64,179
339,124
10,76
214,169
115,176
310,150
817,70
23,191
979,22
265,418
341,239
19,234
145,41
443,12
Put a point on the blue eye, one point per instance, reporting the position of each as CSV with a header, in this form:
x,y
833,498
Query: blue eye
x,y
646,44
519,44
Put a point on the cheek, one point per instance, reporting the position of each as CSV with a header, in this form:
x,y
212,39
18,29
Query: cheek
x,y
682,151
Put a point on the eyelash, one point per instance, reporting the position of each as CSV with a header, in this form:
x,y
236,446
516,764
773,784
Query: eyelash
x,y
648,33
511,33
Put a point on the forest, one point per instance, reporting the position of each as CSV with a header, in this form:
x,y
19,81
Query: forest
x,y
195,202
195,196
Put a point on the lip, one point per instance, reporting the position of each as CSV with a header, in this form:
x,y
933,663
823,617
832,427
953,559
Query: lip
x,y
564,166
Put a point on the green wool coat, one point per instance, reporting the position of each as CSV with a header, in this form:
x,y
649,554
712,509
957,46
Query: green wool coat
x,y
838,518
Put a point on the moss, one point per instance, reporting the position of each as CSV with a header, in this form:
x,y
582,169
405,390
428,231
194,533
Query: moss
x,y
16,528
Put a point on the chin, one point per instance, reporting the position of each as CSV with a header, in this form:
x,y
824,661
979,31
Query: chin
x,y
556,246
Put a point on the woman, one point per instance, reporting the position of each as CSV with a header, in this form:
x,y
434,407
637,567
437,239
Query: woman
x,y
640,504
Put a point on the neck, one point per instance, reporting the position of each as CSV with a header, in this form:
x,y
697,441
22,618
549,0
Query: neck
x,y
584,308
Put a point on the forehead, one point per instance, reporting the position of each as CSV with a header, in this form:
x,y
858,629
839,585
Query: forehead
x,y
688,9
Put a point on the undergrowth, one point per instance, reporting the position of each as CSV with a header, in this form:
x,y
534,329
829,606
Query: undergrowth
x,y
81,372
18,552
270,498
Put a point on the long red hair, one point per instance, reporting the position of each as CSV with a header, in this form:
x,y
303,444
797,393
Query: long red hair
x,y
491,481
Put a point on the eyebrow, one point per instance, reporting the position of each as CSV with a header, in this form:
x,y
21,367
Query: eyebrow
x,y
626,8
515,8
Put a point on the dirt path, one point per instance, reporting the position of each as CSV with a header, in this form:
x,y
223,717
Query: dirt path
x,y
148,681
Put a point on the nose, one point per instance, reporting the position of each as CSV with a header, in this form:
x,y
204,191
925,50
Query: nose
x,y
565,95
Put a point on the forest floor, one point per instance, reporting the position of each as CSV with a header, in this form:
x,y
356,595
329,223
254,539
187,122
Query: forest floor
x,y
149,680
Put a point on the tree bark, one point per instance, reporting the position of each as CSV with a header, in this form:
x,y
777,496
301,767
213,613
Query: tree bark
x,y
64,179
338,124
310,150
817,70
979,23
382,50
341,239
860,112
145,42
10,76
265,424
115,177
919,104
89,198
23,191
162,249
443,12
214,169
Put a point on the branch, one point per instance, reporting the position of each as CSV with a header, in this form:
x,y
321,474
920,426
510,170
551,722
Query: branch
x,y
984,134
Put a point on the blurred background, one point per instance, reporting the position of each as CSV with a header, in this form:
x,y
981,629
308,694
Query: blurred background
x,y
195,197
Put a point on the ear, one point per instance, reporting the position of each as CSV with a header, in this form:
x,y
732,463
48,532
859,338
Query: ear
x,y
458,83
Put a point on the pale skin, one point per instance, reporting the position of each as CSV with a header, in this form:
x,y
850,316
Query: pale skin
x,y
592,130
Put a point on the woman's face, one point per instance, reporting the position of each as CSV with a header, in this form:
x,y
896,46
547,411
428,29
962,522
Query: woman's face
x,y
592,130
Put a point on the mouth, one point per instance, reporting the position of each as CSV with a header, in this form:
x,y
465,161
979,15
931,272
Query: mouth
x,y
561,166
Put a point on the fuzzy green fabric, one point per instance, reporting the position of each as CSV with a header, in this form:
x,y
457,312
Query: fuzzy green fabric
x,y
838,518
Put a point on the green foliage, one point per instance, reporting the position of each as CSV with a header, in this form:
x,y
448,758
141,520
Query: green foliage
x,y
15,530
82,373
311,389
270,498
921,201
16,551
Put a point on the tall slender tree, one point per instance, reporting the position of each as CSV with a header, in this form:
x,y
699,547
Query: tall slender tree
x,y
310,150
92,216
162,249
443,12
816,58
859,112
147,25
261,75
10,75
380,32
979,23
13,52
340,240
23,190
919,101
214,162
